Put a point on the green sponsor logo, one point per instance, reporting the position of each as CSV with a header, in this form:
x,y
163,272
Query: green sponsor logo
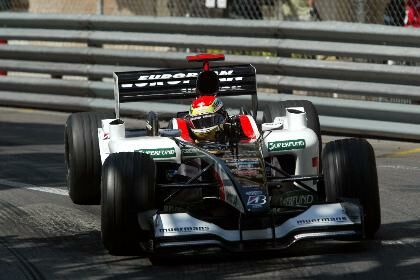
x,y
159,153
286,145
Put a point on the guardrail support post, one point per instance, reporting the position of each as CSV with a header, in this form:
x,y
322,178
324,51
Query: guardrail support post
x,y
100,7
361,10
94,45
3,72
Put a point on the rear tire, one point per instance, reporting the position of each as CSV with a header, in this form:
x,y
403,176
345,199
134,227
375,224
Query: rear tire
x,y
128,187
350,172
82,158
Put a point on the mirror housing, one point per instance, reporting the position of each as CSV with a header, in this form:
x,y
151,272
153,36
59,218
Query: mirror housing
x,y
167,132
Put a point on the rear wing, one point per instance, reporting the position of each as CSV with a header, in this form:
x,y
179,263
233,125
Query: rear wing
x,y
181,83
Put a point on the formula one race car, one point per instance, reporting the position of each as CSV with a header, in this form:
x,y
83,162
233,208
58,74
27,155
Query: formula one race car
x,y
249,186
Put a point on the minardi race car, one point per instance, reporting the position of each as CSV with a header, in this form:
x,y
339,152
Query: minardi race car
x,y
263,185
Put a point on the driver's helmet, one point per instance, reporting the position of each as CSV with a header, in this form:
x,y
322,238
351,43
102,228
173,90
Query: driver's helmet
x,y
206,117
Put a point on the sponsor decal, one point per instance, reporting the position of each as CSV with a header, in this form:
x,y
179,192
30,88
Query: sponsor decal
x,y
246,186
286,145
190,152
248,164
159,153
165,79
296,198
246,173
256,201
324,220
185,229
253,192
245,168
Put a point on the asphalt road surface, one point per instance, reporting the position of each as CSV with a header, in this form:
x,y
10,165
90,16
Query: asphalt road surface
x,y
44,236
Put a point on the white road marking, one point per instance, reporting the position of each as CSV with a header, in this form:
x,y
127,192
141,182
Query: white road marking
x,y
399,167
14,184
405,241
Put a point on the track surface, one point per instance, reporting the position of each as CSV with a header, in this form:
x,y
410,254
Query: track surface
x,y
44,236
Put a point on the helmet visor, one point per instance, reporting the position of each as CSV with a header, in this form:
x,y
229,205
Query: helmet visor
x,y
208,120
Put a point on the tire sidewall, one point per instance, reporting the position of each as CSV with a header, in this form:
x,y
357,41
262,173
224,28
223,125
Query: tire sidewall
x,y
82,158
349,170
128,187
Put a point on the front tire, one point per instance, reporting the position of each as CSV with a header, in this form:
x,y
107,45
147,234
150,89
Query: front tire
x,y
82,158
128,187
349,169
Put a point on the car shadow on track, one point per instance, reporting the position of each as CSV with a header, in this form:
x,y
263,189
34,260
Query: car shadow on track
x,y
395,252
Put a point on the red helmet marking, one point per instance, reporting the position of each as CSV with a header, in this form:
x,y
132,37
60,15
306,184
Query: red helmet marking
x,y
205,100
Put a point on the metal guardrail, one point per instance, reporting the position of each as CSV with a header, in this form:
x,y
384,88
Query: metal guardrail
x,y
283,47
320,31
279,71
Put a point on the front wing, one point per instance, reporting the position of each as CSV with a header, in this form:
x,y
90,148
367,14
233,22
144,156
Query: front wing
x,y
337,220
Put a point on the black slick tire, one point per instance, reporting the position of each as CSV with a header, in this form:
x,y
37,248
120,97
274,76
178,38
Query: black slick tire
x,y
349,170
82,158
128,187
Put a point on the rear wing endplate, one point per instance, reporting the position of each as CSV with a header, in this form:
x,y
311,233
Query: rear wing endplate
x,y
181,83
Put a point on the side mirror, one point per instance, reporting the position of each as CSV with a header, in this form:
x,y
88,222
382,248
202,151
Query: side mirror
x,y
181,114
170,132
278,124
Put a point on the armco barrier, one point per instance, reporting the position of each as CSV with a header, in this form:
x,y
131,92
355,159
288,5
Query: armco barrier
x,y
2,71
282,52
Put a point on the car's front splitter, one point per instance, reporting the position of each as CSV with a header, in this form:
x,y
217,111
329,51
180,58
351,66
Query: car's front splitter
x,y
337,220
